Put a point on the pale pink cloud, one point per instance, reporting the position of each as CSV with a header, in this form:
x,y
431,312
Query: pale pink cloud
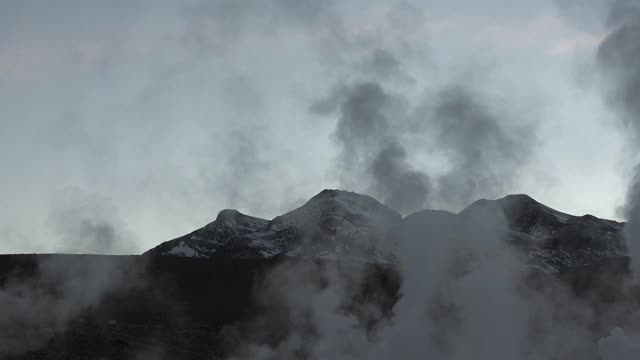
x,y
547,34
581,42
517,34
23,62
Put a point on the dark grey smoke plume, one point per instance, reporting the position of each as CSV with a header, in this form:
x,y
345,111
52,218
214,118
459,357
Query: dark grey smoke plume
x,y
84,234
89,224
370,132
484,147
618,57
383,64
485,154
406,189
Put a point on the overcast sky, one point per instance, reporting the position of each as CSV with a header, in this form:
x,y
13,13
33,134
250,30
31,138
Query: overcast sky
x,y
128,123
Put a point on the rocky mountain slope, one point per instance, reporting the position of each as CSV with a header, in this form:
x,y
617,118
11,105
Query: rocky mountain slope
x,y
343,225
332,225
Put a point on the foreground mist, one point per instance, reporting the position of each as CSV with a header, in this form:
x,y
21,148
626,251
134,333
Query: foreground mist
x,y
459,286
466,293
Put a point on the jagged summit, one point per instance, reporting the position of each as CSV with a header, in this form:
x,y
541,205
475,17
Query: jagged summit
x,y
509,201
228,215
346,201
515,206
338,224
520,211
343,194
522,198
235,220
332,193
341,206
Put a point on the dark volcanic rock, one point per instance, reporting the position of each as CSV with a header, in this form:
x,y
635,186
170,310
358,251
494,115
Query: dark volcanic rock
x,y
556,241
332,225
166,307
214,239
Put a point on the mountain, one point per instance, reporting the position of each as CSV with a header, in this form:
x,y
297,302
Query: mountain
x,y
338,224
556,241
332,225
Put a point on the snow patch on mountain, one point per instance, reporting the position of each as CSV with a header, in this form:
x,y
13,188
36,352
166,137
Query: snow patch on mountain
x,y
183,250
341,223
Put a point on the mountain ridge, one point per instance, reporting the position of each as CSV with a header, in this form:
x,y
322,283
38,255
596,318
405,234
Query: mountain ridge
x,y
338,224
